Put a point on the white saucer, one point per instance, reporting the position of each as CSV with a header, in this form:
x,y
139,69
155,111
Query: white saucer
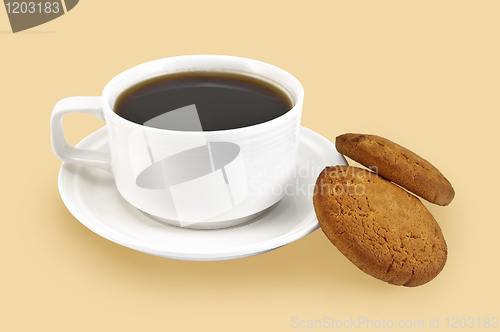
x,y
91,196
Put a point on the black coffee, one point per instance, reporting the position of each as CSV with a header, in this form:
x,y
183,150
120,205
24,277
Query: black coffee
x,y
221,100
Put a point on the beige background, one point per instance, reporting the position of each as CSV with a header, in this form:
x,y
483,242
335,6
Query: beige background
x,y
426,75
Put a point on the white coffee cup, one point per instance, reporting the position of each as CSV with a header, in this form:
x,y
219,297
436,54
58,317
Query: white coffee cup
x,y
191,179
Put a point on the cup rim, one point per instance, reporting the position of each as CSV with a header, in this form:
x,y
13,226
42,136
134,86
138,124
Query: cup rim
x,y
106,95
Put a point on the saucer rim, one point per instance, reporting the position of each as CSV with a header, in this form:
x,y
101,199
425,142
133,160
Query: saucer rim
x,y
309,223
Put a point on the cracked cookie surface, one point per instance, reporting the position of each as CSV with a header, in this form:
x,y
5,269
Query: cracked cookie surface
x,y
398,164
382,229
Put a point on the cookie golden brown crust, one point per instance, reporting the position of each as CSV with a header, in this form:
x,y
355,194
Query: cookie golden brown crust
x,y
382,229
397,164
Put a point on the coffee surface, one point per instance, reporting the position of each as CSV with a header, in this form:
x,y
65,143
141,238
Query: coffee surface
x,y
221,100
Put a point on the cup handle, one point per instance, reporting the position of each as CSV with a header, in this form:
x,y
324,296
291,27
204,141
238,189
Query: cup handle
x,y
66,152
